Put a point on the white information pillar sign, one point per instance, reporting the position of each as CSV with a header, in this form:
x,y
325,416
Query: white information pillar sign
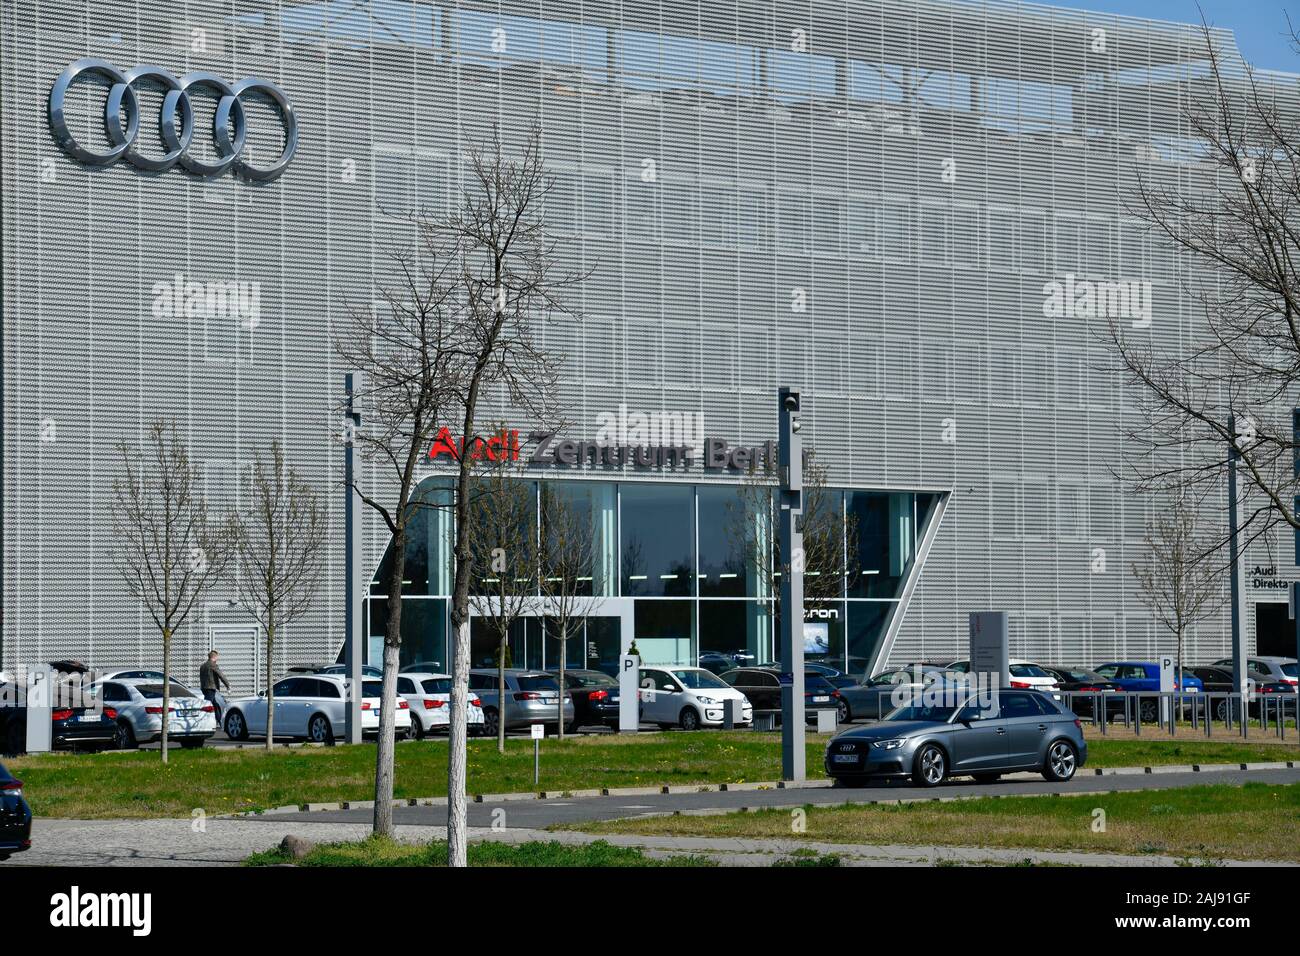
x,y
989,647
40,694
1168,676
629,710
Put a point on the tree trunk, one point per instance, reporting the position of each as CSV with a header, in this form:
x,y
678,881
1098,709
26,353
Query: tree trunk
x,y
559,726
457,776
501,694
383,817
270,691
167,686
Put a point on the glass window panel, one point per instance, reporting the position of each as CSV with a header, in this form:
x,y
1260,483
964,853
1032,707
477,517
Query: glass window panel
x,y
428,544
594,503
665,631
424,631
886,531
658,540
729,627
866,629
735,528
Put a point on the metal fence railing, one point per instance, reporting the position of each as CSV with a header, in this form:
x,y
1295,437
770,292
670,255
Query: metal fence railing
x,y
1164,711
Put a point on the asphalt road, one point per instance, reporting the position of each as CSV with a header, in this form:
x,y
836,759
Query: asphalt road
x,y
565,810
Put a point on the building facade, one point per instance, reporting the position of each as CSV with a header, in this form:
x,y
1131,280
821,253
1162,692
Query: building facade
x,y
914,211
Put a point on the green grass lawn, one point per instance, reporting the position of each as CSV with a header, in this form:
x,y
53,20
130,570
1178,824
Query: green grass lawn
x,y
378,851
226,781
1210,823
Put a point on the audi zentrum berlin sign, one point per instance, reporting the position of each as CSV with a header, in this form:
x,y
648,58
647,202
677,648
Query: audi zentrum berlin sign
x,y
175,121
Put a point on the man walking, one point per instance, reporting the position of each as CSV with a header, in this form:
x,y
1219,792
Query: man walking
x,y
210,679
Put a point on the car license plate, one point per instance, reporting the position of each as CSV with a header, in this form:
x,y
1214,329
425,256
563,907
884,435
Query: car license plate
x,y
844,758
89,718
820,700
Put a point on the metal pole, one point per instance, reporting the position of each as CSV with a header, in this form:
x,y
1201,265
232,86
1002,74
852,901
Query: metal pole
x,y
1234,555
790,502
353,632
537,762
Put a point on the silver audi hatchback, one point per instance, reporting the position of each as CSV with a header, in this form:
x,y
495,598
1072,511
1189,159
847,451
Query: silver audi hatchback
x,y
978,735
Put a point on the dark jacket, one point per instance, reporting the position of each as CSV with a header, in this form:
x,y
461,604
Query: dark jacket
x,y
210,677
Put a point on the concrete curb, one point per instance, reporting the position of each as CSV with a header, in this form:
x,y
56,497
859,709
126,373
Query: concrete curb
x,y
621,792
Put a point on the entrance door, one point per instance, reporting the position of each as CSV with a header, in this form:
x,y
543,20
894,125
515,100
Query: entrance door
x,y
1274,631
240,647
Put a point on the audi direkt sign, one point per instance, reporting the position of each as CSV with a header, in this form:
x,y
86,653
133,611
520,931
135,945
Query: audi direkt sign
x,y
176,121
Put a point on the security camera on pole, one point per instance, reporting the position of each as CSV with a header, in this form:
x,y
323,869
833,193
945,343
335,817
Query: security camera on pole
x,y
790,502
352,588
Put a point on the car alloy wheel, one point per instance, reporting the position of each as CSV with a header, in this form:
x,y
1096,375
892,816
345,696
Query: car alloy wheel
x,y
319,729
690,720
490,722
124,737
235,727
842,712
417,728
1061,761
931,766
1149,711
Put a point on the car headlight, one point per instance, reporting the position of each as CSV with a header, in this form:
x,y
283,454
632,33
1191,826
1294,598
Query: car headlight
x,y
706,700
888,744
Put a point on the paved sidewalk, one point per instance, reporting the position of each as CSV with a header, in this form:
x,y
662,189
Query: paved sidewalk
x,y
228,841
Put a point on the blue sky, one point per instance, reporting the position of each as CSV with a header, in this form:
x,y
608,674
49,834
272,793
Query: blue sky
x,y
1260,25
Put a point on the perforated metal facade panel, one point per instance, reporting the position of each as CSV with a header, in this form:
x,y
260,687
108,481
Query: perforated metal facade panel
x,y
884,186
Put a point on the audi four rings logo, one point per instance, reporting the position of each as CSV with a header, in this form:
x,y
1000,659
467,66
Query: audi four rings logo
x,y
175,122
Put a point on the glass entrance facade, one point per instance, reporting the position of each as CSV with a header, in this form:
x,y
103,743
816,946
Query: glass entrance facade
x,y
684,556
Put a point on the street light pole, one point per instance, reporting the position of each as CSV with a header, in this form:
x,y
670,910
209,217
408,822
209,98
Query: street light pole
x,y
352,589
1234,557
790,503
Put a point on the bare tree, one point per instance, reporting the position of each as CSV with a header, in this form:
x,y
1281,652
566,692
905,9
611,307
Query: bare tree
x,y
566,576
507,281
1229,386
407,348
830,538
170,552
1177,577
279,555
503,540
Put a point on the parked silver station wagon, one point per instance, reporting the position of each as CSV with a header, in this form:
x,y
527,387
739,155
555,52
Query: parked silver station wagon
x,y
983,736
532,697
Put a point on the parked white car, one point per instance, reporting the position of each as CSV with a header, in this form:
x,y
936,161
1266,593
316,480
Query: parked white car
x,y
137,705
312,707
429,696
1024,674
687,697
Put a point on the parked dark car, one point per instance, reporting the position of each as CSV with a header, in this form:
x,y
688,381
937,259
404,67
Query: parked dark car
x,y
15,816
762,686
984,737
595,697
71,728
1218,680
719,662
1080,680
875,697
824,669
